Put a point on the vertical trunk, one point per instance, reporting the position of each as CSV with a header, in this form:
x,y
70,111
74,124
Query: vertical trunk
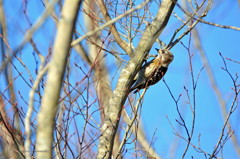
x,y
49,106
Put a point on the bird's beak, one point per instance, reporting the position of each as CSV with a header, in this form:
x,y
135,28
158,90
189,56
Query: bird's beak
x,y
157,49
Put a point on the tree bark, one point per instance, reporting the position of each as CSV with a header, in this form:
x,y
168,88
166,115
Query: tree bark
x,y
49,107
120,94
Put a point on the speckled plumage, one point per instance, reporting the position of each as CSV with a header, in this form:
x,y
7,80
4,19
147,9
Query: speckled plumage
x,y
152,71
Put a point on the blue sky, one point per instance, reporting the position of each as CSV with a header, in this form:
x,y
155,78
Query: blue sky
x,y
208,115
157,102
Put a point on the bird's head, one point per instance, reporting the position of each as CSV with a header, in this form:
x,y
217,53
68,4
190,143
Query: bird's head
x,y
166,56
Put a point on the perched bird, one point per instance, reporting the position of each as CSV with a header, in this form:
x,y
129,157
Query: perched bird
x,y
152,71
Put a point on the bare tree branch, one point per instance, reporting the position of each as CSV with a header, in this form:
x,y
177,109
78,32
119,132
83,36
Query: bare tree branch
x,y
215,87
30,110
30,32
119,96
49,107
75,42
123,44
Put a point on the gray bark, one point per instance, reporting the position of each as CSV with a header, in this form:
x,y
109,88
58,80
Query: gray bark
x,y
49,107
120,94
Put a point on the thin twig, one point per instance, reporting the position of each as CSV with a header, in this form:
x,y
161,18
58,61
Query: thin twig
x,y
172,43
130,124
30,32
233,107
27,144
75,42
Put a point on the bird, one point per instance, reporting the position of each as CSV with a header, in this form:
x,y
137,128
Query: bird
x,y
153,71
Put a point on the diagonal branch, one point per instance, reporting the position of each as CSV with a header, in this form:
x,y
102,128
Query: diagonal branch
x,y
27,37
75,42
119,96
123,44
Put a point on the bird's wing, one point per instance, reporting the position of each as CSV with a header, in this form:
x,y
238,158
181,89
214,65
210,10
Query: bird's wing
x,y
141,71
152,67
150,70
